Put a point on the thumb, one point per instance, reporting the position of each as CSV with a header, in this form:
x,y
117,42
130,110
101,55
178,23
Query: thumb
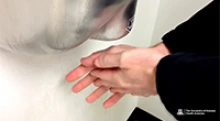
x,y
108,60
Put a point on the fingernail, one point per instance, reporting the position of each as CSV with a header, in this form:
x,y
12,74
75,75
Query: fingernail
x,y
88,99
68,79
75,89
106,106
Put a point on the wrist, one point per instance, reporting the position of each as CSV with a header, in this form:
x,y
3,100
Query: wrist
x,y
162,49
160,52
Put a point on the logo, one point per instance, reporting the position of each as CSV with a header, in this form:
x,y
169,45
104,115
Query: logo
x,y
180,112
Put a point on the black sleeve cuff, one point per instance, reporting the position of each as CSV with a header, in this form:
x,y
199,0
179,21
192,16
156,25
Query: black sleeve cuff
x,y
199,34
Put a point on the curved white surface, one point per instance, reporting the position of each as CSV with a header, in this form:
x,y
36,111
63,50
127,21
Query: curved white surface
x,y
32,88
39,27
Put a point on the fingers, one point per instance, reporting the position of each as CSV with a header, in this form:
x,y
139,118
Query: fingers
x,y
101,91
77,73
97,94
119,90
85,82
103,74
99,83
109,77
109,57
113,100
89,61
108,60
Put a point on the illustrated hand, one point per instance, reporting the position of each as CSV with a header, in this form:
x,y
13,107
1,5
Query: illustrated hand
x,y
122,69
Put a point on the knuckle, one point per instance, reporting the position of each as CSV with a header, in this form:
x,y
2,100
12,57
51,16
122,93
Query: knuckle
x,y
123,57
133,94
95,85
112,46
119,80
111,49
92,73
121,45
112,90
125,46
95,53
121,84
103,60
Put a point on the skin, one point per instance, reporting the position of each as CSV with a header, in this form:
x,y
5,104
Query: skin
x,y
122,69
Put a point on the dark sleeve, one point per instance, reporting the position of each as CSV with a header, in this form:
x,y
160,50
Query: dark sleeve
x,y
199,34
189,81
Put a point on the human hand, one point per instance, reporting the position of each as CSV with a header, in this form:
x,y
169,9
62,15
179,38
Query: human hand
x,y
124,68
82,70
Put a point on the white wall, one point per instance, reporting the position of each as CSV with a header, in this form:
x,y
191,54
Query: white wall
x,y
170,14
33,88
